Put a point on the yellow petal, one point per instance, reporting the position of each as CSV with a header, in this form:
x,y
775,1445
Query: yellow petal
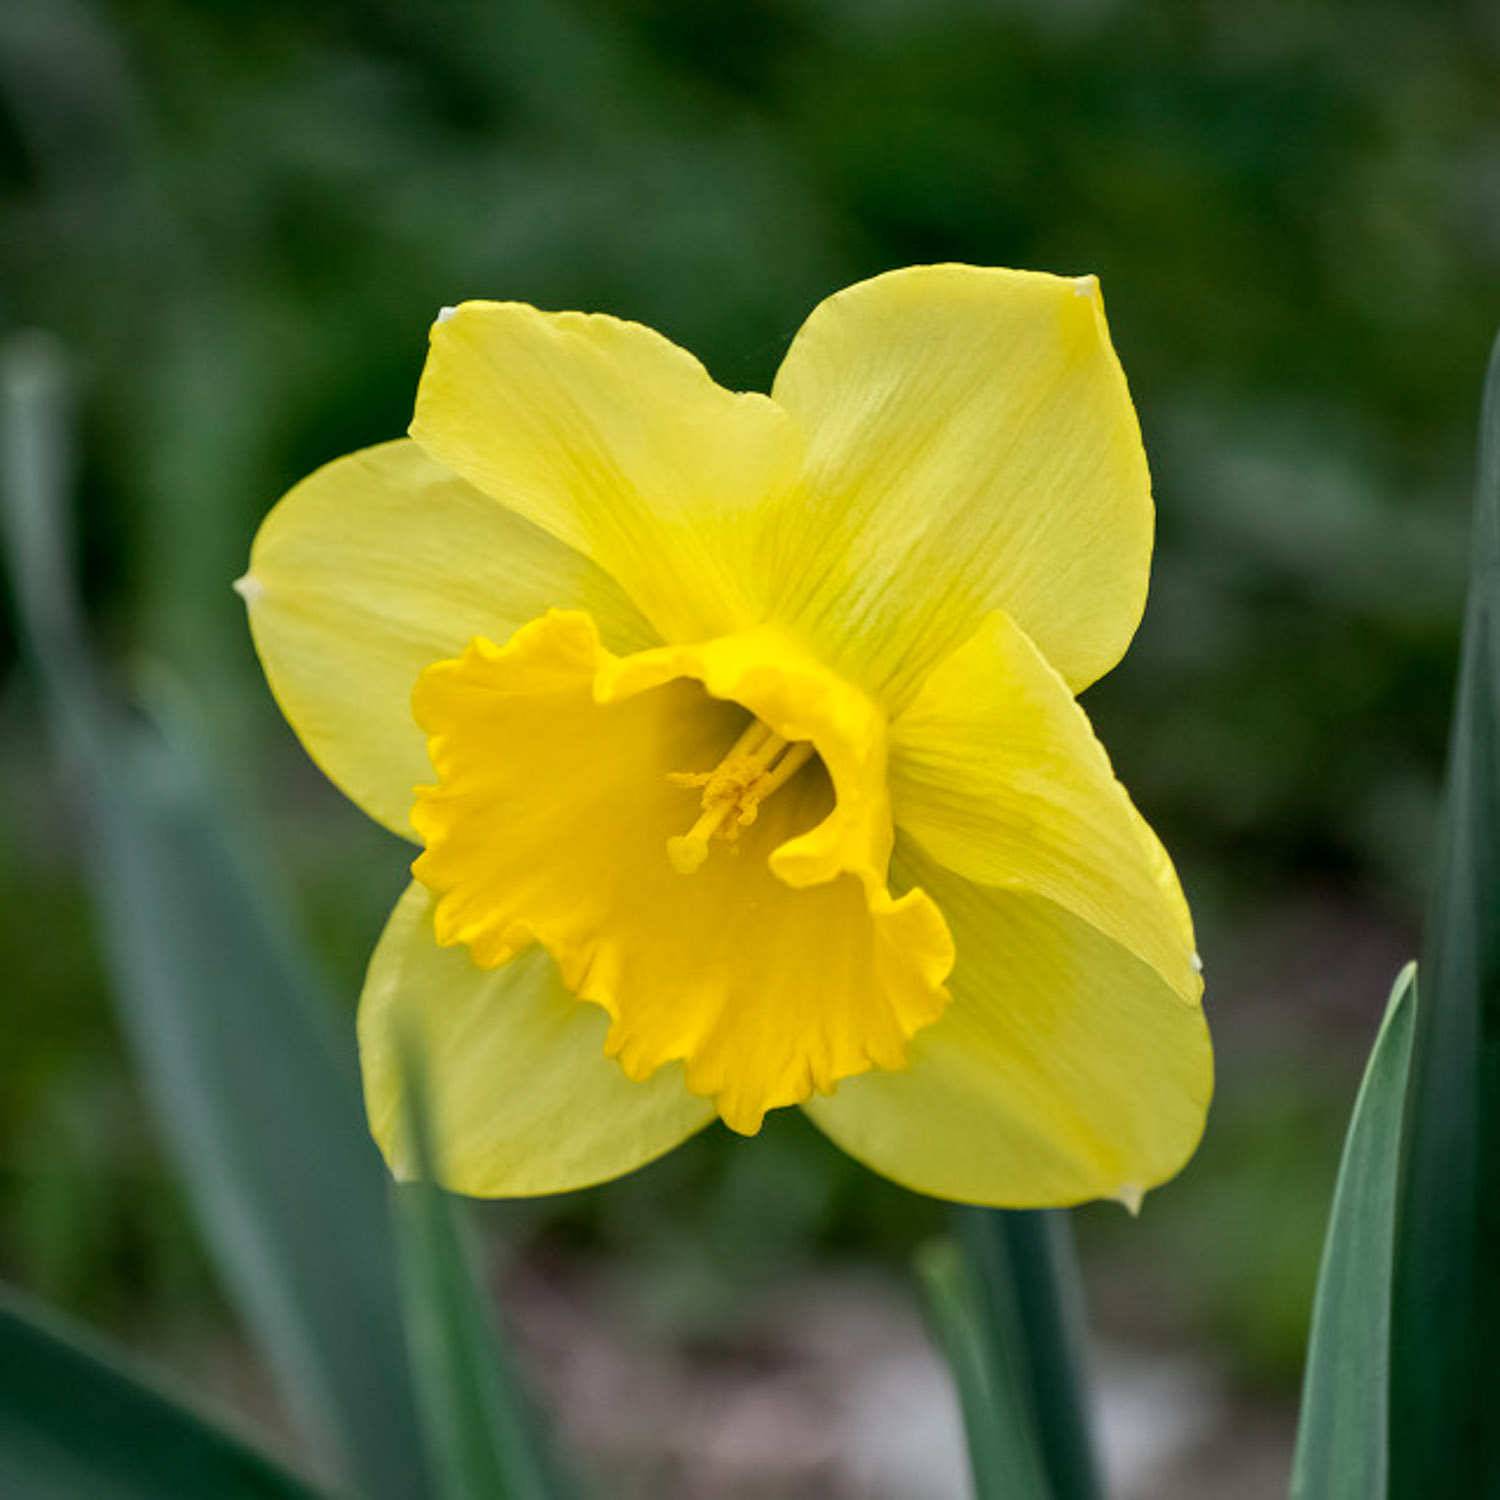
x,y
971,446
372,568
615,440
996,772
524,1099
781,964
1064,1068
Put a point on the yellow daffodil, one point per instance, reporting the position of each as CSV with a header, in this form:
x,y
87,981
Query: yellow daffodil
x,y
739,735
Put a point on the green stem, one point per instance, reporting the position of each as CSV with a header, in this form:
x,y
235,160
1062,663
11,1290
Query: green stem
x,y
1032,1297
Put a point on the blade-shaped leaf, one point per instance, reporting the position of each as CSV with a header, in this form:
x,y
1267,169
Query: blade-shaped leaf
x,y
75,1421
1005,1456
484,1435
1342,1437
257,1101
1445,1331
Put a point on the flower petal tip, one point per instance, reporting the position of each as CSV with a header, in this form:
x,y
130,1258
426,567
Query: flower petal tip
x,y
1130,1196
248,587
1197,962
444,313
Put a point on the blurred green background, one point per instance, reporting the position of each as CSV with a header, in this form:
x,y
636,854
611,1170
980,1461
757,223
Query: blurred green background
x,y
241,218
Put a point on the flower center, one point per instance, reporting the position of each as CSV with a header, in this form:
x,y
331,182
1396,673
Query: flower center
x,y
768,977
759,763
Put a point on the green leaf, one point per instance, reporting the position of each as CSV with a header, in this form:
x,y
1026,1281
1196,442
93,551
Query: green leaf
x,y
256,1098
1446,1312
485,1438
982,1350
76,1421
1342,1439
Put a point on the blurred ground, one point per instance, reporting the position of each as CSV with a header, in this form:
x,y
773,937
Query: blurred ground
x,y
241,218
836,1392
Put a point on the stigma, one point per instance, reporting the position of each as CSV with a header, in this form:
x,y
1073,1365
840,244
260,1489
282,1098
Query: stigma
x,y
758,764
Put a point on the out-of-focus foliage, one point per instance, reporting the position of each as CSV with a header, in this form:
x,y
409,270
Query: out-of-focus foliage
x,y
142,1443
258,1106
247,215
255,1100
242,217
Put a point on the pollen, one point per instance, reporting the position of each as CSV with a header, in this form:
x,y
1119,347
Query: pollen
x,y
758,764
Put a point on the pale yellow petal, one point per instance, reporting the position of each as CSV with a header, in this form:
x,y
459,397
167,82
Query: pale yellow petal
x,y
774,964
523,1098
376,566
1064,1069
997,773
615,440
971,446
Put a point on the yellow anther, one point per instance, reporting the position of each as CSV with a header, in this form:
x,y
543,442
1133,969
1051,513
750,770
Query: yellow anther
x,y
756,765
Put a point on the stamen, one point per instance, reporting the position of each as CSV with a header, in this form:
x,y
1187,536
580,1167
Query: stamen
x,y
759,763
747,743
782,772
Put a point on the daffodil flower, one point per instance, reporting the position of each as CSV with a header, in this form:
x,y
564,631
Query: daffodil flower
x,y
739,735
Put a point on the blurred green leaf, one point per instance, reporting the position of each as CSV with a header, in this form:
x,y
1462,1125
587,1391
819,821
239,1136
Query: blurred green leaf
x,y
485,1438
256,1100
75,1421
1026,1270
1446,1312
1342,1439
1005,1454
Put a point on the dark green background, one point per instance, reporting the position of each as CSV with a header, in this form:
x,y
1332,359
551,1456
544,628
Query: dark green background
x,y
242,217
